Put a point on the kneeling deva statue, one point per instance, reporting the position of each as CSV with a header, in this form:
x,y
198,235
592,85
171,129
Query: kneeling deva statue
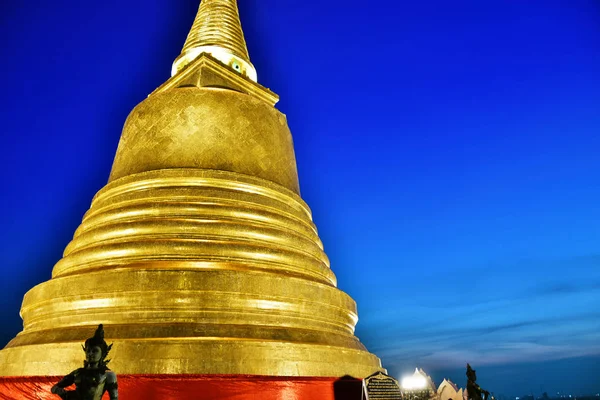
x,y
94,378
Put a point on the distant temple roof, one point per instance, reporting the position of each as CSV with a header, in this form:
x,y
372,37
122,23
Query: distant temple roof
x,y
446,383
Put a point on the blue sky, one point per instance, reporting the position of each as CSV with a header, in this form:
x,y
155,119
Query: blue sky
x,y
448,150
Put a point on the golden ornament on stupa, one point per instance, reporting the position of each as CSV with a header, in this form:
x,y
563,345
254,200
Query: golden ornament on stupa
x,y
199,256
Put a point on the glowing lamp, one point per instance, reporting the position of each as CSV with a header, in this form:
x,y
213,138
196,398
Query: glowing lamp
x,y
414,383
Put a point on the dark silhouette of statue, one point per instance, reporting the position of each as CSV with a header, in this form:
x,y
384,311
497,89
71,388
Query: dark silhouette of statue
x,y
474,391
94,378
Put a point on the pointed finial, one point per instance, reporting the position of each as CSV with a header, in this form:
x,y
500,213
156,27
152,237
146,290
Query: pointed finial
x,y
217,30
99,334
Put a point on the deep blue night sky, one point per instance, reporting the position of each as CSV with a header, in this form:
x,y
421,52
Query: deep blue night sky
x,y
448,150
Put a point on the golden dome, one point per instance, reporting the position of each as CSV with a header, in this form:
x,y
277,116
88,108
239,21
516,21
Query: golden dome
x,y
207,128
199,256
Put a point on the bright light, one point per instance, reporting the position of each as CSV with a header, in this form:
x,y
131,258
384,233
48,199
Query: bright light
x,y
414,382
221,54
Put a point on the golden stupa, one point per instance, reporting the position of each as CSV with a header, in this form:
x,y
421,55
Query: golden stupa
x,y
199,255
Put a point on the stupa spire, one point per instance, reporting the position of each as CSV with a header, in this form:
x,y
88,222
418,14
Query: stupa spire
x,y
217,30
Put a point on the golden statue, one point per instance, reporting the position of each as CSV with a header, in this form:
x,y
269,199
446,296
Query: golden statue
x,y
199,253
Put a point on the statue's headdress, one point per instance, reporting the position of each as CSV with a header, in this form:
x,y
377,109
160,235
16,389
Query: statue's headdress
x,y
470,371
98,340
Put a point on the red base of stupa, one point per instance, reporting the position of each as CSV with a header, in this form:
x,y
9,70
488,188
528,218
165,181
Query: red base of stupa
x,y
201,387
